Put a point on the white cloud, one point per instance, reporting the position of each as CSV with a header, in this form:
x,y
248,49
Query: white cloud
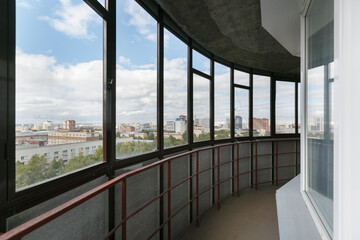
x,y
124,61
24,4
74,20
141,20
47,90
51,91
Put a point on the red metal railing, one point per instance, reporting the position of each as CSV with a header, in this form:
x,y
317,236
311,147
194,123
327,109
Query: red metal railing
x,y
41,220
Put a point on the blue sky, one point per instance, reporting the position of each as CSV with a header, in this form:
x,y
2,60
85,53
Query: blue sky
x,y
59,65
35,34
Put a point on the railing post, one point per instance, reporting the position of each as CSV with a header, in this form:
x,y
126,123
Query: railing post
x,y
123,209
256,166
237,170
277,163
169,200
218,176
197,189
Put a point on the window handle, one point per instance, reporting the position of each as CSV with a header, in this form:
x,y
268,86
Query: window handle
x,y
110,83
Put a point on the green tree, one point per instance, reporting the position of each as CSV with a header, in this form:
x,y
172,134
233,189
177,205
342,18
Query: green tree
x,y
56,167
220,134
185,138
202,137
151,136
38,169
32,172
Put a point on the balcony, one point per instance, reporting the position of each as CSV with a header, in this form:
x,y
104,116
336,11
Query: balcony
x,y
164,199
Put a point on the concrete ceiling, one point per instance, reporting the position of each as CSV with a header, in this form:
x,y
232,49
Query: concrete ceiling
x,y
281,18
232,29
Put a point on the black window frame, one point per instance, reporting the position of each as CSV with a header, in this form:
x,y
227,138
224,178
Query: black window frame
x,y
12,202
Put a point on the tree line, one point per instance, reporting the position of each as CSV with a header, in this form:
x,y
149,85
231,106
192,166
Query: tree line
x,y
38,169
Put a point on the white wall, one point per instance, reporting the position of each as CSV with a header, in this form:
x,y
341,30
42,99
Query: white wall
x,y
347,117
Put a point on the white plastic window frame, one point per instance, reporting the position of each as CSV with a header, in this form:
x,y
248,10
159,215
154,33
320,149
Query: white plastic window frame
x,y
324,234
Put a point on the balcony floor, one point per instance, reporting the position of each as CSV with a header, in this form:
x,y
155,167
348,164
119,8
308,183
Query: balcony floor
x,y
253,216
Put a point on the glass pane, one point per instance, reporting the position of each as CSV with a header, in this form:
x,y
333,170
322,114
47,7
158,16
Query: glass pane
x,y
201,63
175,91
201,108
261,111
241,78
136,80
320,57
222,101
241,112
285,107
59,84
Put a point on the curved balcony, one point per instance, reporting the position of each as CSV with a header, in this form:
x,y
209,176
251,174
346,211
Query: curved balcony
x,y
163,199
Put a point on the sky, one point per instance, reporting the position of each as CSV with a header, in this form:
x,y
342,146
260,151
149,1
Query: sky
x,y
59,67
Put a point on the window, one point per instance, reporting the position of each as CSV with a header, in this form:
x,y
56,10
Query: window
x,y
319,108
175,91
241,112
285,107
201,108
59,79
136,80
222,101
261,105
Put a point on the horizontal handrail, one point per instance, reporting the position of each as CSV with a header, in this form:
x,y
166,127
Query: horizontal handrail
x,y
45,218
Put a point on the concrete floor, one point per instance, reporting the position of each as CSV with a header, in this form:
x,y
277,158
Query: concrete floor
x,y
253,216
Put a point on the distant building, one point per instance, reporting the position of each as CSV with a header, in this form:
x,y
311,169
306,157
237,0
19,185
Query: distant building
x,y
39,139
64,136
140,135
145,126
238,122
317,124
69,124
48,125
185,119
179,125
126,129
64,152
227,124
175,135
170,126
203,122
198,130
261,124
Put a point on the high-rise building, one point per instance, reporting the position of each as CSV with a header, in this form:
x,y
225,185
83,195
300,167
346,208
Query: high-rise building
x,y
180,125
261,124
69,124
238,122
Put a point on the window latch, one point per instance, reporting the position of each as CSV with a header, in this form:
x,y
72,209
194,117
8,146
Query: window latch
x,y
110,83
